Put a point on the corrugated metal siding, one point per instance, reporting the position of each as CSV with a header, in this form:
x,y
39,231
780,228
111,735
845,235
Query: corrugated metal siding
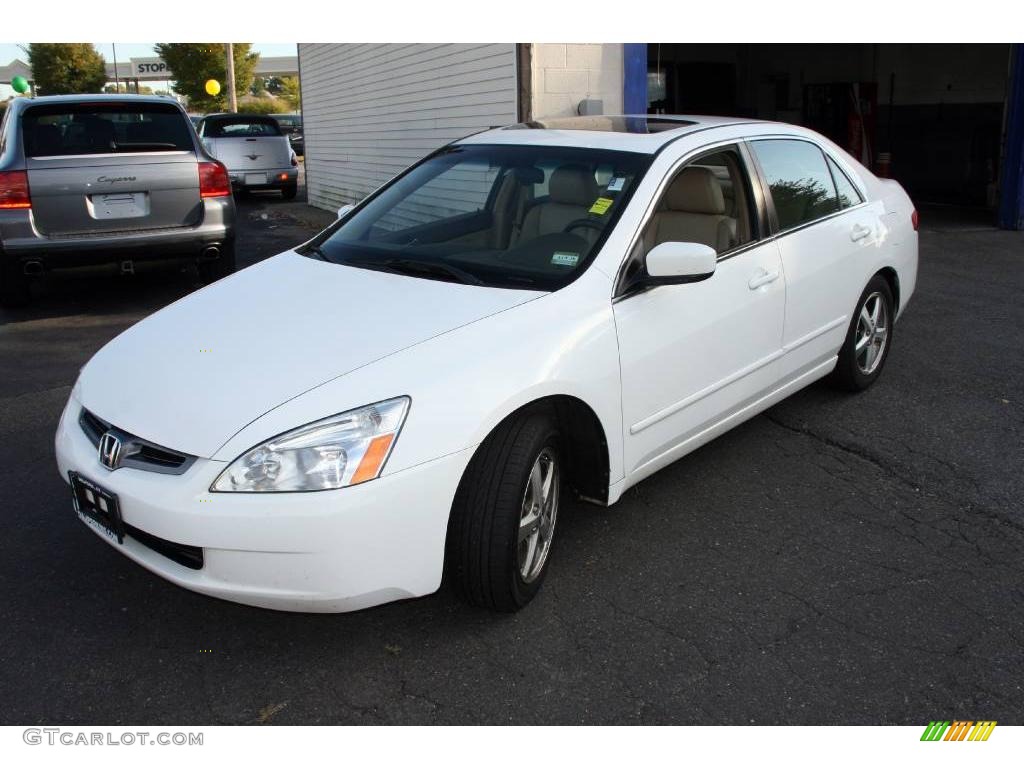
x,y
370,111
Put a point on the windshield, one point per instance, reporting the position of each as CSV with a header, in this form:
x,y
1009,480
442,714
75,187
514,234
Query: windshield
x,y
503,216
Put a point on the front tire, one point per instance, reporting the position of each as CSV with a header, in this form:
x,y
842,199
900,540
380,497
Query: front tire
x,y
868,339
503,518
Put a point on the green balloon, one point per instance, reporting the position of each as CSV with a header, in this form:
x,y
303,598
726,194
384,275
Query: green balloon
x,y
19,84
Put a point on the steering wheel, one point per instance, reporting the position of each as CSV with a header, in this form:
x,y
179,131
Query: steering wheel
x,y
591,223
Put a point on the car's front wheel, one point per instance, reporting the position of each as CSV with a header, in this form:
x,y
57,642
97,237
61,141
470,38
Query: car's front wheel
x,y
868,339
503,519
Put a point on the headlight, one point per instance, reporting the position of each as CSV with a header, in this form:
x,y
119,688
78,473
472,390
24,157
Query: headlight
x,y
342,450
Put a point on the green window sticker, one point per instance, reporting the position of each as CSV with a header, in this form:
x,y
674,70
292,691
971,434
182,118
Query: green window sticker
x,y
564,259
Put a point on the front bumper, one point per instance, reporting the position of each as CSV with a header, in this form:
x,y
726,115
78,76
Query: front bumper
x,y
272,178
326,551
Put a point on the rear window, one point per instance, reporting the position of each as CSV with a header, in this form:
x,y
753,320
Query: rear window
x,y
102,129
230,127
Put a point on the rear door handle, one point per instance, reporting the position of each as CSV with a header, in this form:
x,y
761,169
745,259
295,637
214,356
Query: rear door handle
x,y
762,279
859,232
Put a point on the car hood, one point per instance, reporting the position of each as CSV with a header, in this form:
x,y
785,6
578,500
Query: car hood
x,y
191,375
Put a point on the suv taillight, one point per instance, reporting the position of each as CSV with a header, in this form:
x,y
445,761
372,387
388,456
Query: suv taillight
x,y
914,219
213,180
14,190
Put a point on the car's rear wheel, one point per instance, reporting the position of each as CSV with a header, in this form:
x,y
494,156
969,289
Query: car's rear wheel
x,y
289,192
15,290
503,519
222,266
868,339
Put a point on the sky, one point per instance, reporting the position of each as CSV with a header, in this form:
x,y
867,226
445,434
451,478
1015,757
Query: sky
x,y
125,51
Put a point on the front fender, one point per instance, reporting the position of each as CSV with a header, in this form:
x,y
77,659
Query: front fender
x,y
463,383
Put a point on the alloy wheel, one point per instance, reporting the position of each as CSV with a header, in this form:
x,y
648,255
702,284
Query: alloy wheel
x,y
872,333
538,515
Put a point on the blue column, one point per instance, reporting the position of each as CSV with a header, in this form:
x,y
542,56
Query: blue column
x,y
1011,183
634,78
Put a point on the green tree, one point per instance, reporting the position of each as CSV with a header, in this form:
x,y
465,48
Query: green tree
x,y
66,68
195,63
290,92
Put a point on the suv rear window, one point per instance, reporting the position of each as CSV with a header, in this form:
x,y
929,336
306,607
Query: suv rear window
x,y
105,128
230,127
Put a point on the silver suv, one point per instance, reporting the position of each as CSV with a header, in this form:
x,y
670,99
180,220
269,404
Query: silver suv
x,y
107,179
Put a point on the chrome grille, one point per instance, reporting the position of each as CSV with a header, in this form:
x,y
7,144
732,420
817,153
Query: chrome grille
x,y
135,451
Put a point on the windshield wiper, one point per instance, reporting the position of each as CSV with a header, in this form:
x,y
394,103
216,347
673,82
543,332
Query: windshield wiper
x,y
315,251
413,266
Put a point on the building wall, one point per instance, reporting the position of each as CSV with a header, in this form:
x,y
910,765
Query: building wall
x,y
370,111
563,74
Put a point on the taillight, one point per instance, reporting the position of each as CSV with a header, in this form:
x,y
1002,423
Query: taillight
x,y
913,219
295,161
14,190
213,180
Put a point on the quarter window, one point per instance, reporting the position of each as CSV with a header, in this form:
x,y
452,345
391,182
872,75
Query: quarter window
x,y
848,194
799,180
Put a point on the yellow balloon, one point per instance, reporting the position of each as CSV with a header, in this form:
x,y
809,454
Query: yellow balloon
x,y
212,87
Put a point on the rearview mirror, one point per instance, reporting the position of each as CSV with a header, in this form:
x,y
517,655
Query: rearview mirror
x,y
343,211
674,263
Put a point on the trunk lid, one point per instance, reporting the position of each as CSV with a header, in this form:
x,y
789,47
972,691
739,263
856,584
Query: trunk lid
x,y
100,165
97,194
251,153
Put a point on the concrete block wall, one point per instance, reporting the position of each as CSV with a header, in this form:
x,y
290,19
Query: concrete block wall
x,y
563,74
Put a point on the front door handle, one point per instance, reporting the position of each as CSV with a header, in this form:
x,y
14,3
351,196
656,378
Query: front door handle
x,y
859,232
763,278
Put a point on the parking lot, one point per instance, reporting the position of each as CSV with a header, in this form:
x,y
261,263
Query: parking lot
x,y
839,559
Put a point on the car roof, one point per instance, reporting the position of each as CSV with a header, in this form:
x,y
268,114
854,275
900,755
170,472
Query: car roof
x,y
631,133
242,115
93,98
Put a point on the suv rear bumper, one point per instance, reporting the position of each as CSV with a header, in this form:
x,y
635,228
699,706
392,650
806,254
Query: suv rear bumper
x,y
21,241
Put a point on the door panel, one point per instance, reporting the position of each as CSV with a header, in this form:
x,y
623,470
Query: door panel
x,y
825,275
692,354
825,232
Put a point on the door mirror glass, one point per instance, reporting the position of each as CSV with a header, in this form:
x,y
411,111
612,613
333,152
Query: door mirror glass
x,y
343,211
672,263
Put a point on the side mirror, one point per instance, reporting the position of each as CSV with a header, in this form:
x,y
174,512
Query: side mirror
x,y
675,263
343,211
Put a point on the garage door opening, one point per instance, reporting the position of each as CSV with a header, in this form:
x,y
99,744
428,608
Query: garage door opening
x,y
930,116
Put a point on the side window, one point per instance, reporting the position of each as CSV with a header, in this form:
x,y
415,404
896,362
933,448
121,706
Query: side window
x,y
708,201
799,180
848,194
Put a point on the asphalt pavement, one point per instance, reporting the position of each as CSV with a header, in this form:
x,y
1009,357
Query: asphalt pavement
x,y
837,560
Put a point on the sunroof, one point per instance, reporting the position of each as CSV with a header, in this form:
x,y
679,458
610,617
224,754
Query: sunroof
x,y
608,124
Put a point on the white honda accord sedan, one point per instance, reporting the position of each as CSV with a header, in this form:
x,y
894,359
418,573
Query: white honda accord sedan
x,y
531,312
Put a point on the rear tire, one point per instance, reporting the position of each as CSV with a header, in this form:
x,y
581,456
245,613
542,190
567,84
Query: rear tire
x,y
15,290
868,339
503,518
289,192
222,266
